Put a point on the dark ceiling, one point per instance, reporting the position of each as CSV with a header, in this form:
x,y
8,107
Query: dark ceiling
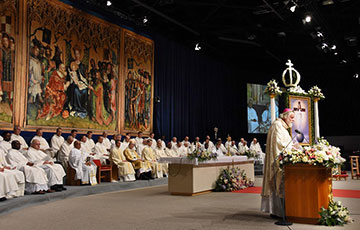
x,y
252,33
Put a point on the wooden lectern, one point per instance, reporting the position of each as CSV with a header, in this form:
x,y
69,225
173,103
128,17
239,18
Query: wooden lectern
x,y
307,189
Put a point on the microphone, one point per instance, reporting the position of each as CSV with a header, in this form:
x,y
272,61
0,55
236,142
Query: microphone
x,y
298,132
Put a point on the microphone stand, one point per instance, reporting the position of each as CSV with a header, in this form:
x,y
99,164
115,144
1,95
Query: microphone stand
x,y
284,221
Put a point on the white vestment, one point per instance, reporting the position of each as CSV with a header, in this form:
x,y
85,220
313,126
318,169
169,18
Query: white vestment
x,y
242,148
273,188
85,173
211,146
257,148
35,177
181,151
5,145
163,145
45,146
138,141
56,142
20,139
64,152
252,125
140,148
54,172
101,153
195,145
124,145
14,183
170,152
233,150
107,143
219,151
90,142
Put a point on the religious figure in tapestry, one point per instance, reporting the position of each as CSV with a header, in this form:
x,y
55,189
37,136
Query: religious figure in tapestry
x,y
73,68
138,83
7,59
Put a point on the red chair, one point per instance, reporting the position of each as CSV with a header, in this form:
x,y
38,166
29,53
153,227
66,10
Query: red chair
x,y
103,169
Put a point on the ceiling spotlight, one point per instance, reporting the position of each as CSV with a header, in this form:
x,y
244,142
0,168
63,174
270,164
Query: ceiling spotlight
x,y
319,34
108,3
197,46
333,47
335,53
308,18
293,8
356,75
292,5
145,20
343,61
324,46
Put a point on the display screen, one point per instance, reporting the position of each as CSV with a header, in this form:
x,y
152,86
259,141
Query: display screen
x,y
258,109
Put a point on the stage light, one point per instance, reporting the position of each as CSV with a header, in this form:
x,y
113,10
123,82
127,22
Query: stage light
x,y
197,46
145,20
335,53
356,75
343,61
108,3
333,47
319,34
308,19
324,46
293,8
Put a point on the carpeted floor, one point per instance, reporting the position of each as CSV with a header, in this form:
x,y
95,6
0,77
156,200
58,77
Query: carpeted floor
x,y
336,192
154,209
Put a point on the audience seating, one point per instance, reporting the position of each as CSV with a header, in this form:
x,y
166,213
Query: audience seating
x,y
354,161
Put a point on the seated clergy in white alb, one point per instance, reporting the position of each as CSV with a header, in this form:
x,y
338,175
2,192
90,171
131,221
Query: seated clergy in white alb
x,y
210,143
64,151
187,148
126,171
15,178
148,155
54,172
142,169
180,150
16,136
196,144
125,143
139,139
85,169
173,143
140,147
153,141
36,180
101,152
186,140
169,151
44,146
57,140
243,146
116,137
106,141
233,149
219,150
85,147
160,153
255,146
5,144
90,142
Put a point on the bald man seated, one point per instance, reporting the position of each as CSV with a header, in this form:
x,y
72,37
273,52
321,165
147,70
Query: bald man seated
x,y
54,171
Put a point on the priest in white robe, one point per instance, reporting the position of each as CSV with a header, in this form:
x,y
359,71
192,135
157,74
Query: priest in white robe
x,y
16,136
16,179
153,141
125,143
44,145
174,142
140,147
101,153
253,122
148,154
186,140
85,169
210,143
54,172
196,144
85,148
5,144
169,151
139,139
126,171
243,146
64,151
255,146
233,149
160,153
106,141
180,150
278,139
116,137
219,149
163,144
57,140
90,142
36,181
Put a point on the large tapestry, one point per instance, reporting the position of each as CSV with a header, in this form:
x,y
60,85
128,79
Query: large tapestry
x,y
73,68
138,82
7,59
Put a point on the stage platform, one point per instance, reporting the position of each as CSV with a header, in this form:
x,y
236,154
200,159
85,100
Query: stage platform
x,y
75,191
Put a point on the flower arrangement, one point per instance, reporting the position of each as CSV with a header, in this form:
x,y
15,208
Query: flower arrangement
x,y
251,154
232,179
297,90
321,153
202,155
316,92
335,214
272,88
